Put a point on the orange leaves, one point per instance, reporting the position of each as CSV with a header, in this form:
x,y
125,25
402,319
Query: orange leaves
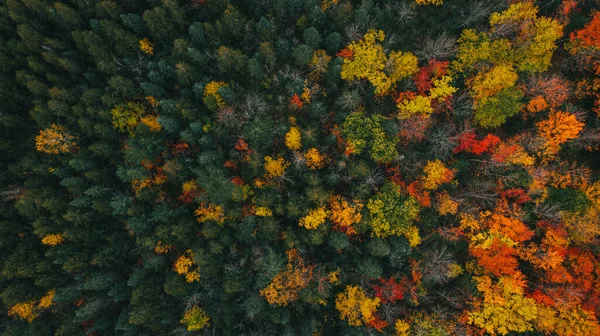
x,y
468,142
210,212
589,36
559,128
344,214
286,286
55,140
494,255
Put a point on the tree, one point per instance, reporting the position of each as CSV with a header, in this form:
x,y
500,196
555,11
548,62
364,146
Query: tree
x,y
55,140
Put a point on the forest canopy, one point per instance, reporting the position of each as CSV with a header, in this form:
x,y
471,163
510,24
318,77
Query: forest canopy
x,y
299,167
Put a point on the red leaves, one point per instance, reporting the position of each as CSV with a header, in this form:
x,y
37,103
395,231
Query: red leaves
x,y
296,102
423,78
468,142
346,53
390,289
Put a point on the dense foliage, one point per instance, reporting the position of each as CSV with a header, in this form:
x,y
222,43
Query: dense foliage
x,y
299,167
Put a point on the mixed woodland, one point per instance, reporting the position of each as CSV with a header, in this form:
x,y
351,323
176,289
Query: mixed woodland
x,y
299,167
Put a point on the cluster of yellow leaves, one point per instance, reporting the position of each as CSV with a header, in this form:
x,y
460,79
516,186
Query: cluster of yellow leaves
x,y
25,311
328,3
293,138
559,128
344,215
29,311
152,101
47,300
286,286
126,116
189,186
418,104
383,227
446,205
504,308
436,174
314,160
314,218
53,239
355,306
370,62
55,140
211,90
152,123
429,2
275,167
162,248
263,212
195,319
402,328
567,321
488,83
146,46
318,65
183,265
210,212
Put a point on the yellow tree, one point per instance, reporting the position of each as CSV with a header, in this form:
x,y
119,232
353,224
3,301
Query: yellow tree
x,y
355,306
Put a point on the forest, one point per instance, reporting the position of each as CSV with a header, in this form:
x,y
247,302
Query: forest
x,y
299,167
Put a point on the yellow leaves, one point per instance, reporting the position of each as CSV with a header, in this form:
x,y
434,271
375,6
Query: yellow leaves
x,y
152,123
417,105
195,319
162,248
53,239
567,321
429,2
24,311
401,65
146,46
559,128
314,159
47,300
183,266
55,140
184,262
211,93
436,174
293,138
275,167
334,277
263,212
442,88
314,218
504,309
210,212
30,310
286,286
516,12
402,327
355,306
412,104
369,61
152,101
487,83
126,116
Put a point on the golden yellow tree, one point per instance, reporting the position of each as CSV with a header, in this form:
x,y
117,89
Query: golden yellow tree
x,y
355,306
